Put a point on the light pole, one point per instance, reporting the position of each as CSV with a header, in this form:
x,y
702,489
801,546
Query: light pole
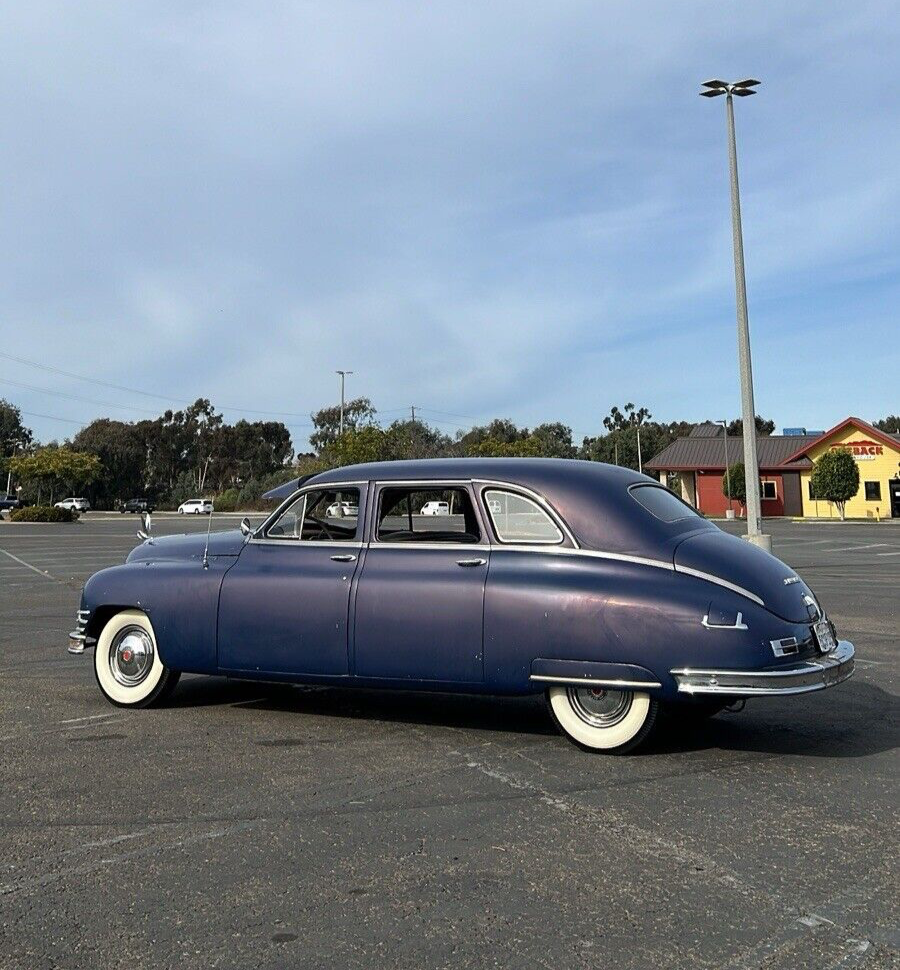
x,y
15,443
343,374
727,476
640,463
742,89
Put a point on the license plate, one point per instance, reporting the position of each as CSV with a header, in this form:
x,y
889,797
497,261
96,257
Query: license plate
x,y
824,636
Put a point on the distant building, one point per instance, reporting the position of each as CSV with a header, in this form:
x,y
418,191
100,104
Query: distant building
x,y
697,464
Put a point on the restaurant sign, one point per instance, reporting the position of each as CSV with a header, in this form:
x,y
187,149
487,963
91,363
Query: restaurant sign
x,y
863,450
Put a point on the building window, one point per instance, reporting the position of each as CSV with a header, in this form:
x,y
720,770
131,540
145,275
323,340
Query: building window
x,y
873,491
769,491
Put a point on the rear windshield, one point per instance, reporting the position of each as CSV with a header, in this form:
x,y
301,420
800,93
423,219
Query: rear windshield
x,y
662,503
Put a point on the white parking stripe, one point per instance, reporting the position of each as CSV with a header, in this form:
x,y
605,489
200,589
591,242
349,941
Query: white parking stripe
x,y
888,553
28,565
871,545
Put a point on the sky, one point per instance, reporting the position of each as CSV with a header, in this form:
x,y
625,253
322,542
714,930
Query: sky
x,y
506,209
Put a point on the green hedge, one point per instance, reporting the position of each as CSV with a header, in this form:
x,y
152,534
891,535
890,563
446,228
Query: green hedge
x,y
43,513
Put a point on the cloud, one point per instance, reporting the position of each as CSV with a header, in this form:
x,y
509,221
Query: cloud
x,y
514,209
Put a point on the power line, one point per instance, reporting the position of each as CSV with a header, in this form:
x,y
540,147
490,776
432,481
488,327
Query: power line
x,y
133,390
75,397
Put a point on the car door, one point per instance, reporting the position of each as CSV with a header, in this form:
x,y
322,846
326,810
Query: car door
x,y
420,597
284,605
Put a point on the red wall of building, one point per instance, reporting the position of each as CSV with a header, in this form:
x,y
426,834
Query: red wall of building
x,y
712,501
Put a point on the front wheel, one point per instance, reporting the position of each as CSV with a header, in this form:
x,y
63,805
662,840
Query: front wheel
x,y
127,664
596,719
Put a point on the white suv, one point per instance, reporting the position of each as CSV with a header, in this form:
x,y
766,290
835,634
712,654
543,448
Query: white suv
x,y
74,504
196,506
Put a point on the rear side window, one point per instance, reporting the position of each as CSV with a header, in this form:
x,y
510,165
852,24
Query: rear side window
x,y
433,515
662,503
516,518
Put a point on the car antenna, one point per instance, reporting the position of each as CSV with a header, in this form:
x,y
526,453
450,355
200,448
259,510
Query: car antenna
x,y
206,549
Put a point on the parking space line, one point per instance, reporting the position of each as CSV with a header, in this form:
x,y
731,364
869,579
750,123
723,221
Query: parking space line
x,y
871,545
28,565
888,553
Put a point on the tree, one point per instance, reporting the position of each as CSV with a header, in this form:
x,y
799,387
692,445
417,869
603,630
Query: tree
x,y
890,424
358,445
12,429
764,427
554,440
358,413
835,478
122,451
616,420
51,467
734,483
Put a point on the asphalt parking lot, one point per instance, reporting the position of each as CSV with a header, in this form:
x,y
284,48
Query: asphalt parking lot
x,y
249,825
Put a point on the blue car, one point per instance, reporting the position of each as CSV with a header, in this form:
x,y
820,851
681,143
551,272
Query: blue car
x,y
588,582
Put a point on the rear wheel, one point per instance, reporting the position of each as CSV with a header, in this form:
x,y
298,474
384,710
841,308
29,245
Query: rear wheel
x,y
608,721
127,664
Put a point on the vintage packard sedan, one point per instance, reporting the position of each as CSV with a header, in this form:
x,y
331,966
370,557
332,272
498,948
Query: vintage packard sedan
x,y
588,582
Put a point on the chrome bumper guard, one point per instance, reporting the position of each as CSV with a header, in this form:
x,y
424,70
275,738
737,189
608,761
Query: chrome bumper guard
x,y
799,678
77,638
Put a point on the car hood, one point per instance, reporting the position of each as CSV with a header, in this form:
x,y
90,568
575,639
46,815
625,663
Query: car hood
x,y
189,546
744,565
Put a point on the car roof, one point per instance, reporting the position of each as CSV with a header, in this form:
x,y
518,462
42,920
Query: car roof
x,y
592,497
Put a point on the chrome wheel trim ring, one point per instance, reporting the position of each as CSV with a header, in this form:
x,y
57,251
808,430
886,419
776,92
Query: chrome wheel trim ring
x,y
598,707
131,656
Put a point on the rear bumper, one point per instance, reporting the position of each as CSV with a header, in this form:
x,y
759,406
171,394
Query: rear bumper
x,y
799,678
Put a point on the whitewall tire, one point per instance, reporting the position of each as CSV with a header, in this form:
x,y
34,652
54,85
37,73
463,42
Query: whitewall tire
x,y
127,664
607,721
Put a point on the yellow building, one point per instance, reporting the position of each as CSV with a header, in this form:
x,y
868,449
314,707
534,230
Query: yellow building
x,y
878,457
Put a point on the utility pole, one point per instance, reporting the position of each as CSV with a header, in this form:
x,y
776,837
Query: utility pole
x,y
412,409
15,443
343,374
640,463
742,89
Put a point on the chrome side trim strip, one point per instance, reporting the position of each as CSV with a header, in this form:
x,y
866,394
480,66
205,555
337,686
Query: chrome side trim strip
x,y
799,678
317,543
412,546
719,582
589,554
591,682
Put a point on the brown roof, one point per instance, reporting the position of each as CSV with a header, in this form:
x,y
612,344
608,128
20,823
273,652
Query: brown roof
x,y
708,452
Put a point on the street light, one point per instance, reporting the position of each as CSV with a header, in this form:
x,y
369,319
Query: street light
x,y
731,90
343,374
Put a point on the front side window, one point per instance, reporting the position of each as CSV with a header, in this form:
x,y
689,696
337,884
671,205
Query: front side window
x,y
426,515
873,491
326,515
769,489
662,503
516,518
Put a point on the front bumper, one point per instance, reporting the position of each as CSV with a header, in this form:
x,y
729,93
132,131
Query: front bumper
x,y
78,639
798,678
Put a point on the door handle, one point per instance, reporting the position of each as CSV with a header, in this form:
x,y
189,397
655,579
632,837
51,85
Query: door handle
x,y
344,557
470,562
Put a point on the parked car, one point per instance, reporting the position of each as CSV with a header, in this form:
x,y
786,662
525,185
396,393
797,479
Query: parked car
x,y
136,505
342,510
596,585
196,506
74,504
10,502
435,508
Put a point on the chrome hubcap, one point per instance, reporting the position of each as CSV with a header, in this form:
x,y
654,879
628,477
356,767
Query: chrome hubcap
x,y
599,707
131,656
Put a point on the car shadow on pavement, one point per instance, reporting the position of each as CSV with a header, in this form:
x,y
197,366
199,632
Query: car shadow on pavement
x,y
858,722
523,715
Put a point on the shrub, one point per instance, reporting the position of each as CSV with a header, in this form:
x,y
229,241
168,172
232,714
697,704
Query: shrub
x,y
734,483
43,513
